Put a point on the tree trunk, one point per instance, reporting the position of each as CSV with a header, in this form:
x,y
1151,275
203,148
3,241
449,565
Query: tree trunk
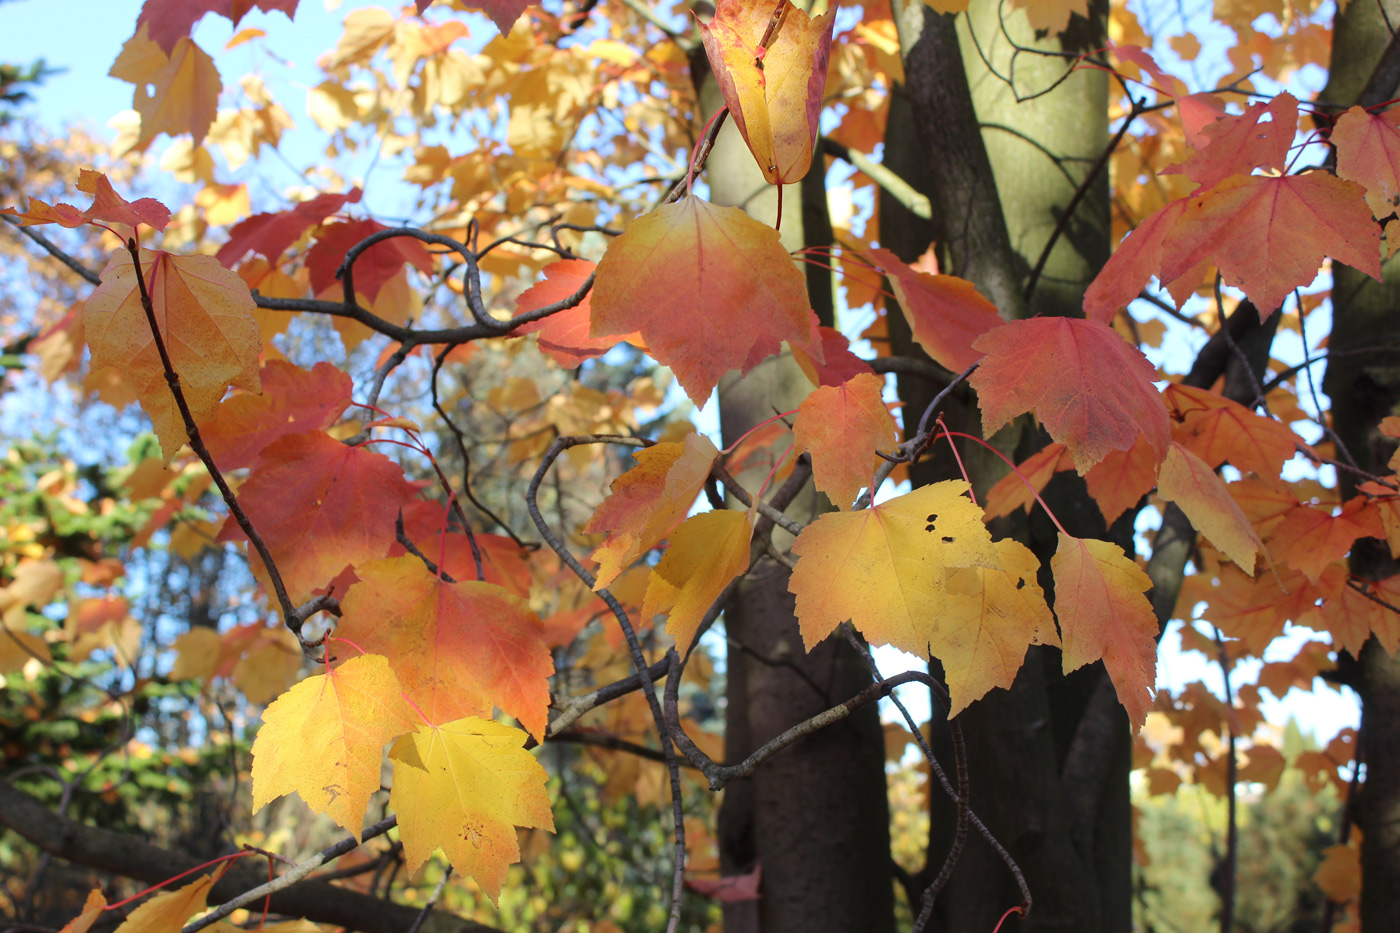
x,y
1364,387
814,818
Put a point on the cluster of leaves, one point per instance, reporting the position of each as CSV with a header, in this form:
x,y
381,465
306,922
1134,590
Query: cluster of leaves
x,y
440,623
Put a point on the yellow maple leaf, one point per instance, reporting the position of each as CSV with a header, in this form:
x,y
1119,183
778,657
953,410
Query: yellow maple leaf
x,y
707,551
176,93
648,501
323,739
1105,616
993,616
884,567
464,787
168,911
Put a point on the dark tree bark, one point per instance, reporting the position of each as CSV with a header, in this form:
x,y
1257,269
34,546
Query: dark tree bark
x,y
1363,383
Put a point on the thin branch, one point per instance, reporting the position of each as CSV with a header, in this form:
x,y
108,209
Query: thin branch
x,y
1232,830
1068,213
906,194
292,876
639,660
49,247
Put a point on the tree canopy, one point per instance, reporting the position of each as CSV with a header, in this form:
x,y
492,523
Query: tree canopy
x,y
491,526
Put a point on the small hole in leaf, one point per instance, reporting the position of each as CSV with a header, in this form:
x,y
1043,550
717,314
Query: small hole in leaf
x,y
1020,584
931,519
947,540
928,528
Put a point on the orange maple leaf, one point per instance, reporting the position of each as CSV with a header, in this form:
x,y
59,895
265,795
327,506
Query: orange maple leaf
x,y
1270,234
708,288
1189,481
464,787
1238,144
1090,388
107,207
324,738
1013,492
774,93
205,316
1368,152
707,551
459,648
1217,429
1120,480
841,427
293,401
1104,616
564,335
945,313
838,364
320,505
93,907
648,501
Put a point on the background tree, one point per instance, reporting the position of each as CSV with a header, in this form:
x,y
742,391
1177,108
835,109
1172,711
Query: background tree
x,y
1016,148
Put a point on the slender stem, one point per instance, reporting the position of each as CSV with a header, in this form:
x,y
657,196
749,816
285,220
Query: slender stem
x,y
290,616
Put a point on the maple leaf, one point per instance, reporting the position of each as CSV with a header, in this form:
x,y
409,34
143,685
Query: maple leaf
x,y
271,234
374,267
945,313
459,648
464,787
774,92
648,501
1269,234
993,616
1190,482
1339,873
323,740
1090,388
1136,260
1217,429
564,335
107,207
708,288
707,552
1104,616
503,13
841,427
1013,491
176,92
205,317
1239,144
293,401
93,907
883,568
167,21
1120,480
320,505
168,911
1311,538
839,363
1368,152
